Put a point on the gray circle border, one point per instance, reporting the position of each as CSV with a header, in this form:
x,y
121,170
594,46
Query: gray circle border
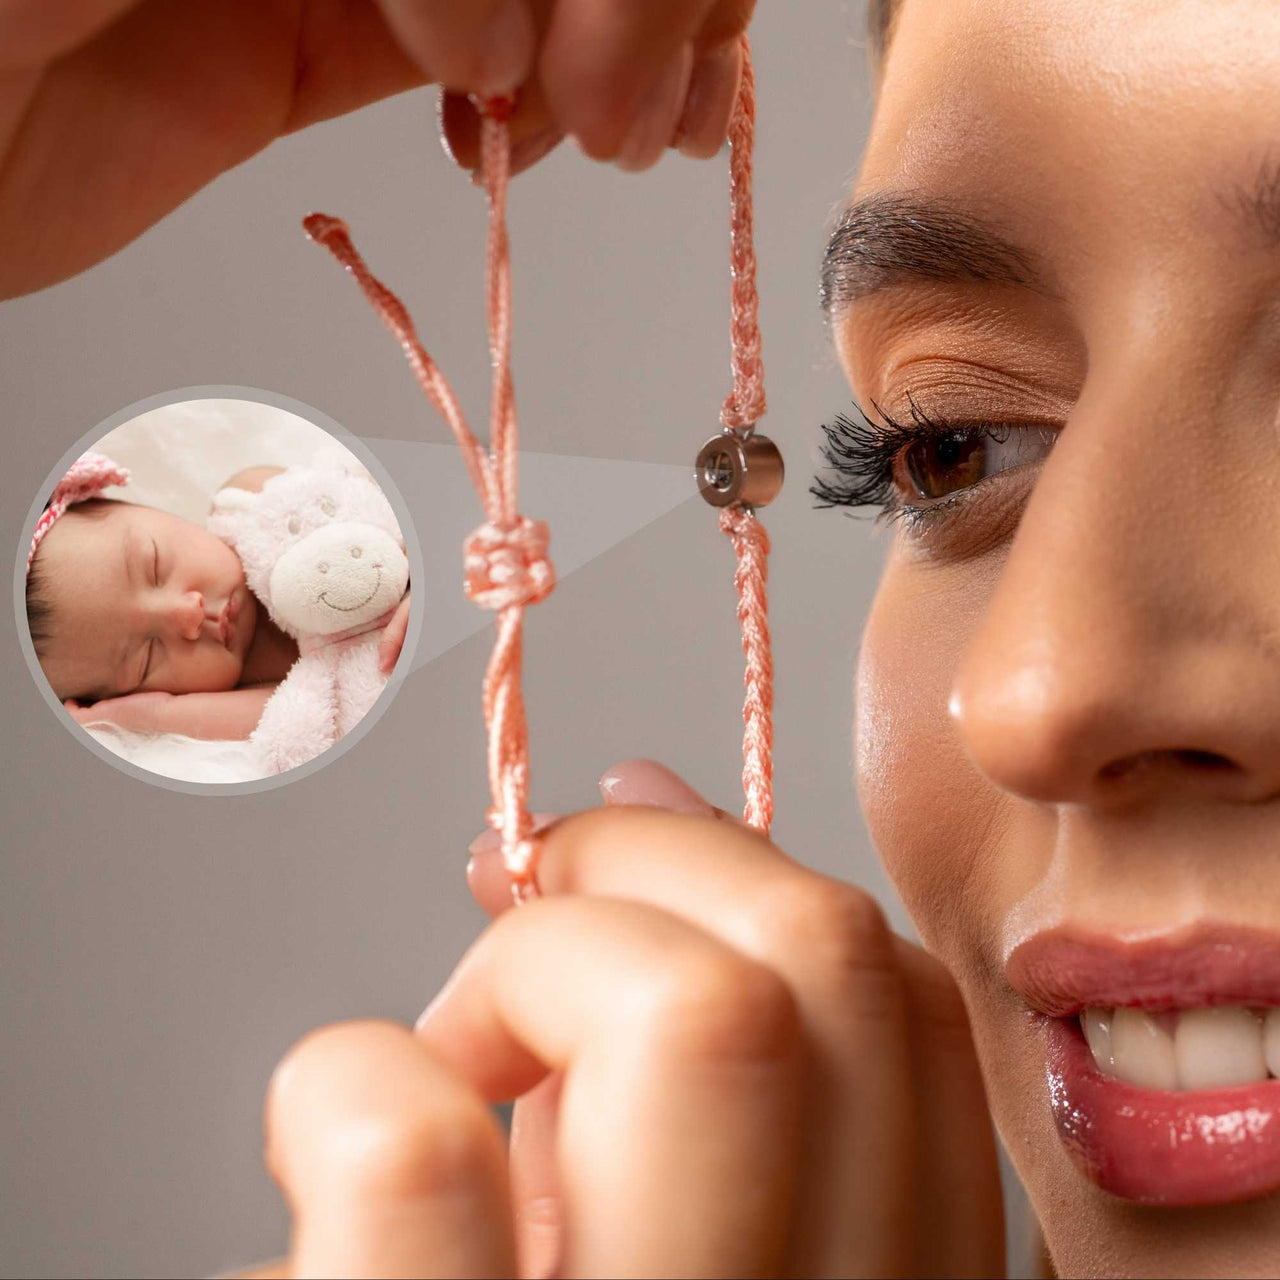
x,y
318,419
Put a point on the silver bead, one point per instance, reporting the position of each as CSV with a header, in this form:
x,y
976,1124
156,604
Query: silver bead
x,y
733,468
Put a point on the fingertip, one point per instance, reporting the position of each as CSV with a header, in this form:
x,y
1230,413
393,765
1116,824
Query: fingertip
x,y
487,879
709,103
508,45
456,47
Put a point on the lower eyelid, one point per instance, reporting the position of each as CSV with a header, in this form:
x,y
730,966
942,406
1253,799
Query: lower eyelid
x,y
994,506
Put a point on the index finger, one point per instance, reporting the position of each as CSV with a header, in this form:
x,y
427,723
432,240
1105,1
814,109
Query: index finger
x,y
832,945
678,1127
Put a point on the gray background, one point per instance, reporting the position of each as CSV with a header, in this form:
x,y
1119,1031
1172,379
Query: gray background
x,y
162,950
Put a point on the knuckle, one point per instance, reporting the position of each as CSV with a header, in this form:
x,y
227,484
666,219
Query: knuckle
x,y
727,1008
841,931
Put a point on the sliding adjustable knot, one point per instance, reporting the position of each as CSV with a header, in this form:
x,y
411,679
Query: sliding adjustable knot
x,y
741,468
508,565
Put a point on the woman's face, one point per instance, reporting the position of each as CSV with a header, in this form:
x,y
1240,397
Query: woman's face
x,y
143,600
1067,228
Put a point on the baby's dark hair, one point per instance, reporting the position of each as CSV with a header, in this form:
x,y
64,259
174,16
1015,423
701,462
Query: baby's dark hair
x,y
41,620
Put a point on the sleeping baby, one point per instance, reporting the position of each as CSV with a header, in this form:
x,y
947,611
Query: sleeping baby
x,y
144,619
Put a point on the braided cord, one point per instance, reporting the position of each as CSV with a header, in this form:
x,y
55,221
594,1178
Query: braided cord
x,y
505,559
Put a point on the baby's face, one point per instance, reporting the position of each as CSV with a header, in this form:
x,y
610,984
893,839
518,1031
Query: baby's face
x,y
143,600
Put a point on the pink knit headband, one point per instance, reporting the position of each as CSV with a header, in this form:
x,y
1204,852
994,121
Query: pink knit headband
x,y
86,478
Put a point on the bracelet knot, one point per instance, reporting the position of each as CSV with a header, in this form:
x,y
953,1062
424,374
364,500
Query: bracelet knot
x,y
504,566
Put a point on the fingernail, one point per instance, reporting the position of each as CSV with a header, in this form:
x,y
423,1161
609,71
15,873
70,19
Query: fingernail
x,y
490,841
708,106
486,842
507,47
528,151
648,782
655,121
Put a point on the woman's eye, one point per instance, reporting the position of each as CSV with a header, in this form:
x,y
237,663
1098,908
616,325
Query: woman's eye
x,y
155,563
940,466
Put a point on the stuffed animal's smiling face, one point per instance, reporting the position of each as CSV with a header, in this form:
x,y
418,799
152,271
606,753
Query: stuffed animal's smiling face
x,y
321,548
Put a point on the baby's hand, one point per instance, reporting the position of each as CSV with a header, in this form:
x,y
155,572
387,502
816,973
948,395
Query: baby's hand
x,y
141,712
393,637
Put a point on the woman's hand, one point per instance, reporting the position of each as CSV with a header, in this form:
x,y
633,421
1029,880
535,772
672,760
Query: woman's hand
x,y
393,637
112,112
727,1064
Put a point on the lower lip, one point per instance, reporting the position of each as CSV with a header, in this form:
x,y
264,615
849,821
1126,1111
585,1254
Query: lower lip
x,y
233,612
1202,1146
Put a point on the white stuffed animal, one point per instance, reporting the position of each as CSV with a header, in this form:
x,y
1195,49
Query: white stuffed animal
x,y
323,552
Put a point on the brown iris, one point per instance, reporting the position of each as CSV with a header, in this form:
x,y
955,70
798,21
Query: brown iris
x,y
943,464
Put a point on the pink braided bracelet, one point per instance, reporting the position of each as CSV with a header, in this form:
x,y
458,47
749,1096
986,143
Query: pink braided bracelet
x,y
505,559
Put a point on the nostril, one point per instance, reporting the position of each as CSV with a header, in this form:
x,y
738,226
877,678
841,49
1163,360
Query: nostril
x,y
1203,759
356,553
322,567
1193,757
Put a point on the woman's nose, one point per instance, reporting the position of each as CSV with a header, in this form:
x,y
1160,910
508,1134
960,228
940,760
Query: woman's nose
x,y
1129,648
186,614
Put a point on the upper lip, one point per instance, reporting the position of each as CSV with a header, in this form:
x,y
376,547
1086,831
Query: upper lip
x,y
227,620
1061,971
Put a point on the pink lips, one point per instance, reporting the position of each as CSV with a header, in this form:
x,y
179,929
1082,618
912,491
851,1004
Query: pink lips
x,y
1192,1147
227,620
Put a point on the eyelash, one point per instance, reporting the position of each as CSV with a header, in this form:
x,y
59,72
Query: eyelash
x,y
155,582
864,454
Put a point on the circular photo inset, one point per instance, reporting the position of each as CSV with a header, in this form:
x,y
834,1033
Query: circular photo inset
x,y
216,590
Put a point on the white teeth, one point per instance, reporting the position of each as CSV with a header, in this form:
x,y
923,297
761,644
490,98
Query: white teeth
x,y
1211,1048
1142,1050
1271,1041
1097,1031
1216,1048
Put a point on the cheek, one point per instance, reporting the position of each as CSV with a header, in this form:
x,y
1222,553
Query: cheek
x,y
928,810
228,564
205,670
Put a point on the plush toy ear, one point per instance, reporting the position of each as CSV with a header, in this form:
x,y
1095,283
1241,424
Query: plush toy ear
x,y
230,500
224,519
332,456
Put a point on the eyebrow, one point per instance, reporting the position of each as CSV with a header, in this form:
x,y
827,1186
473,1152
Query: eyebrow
x,y
888,239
